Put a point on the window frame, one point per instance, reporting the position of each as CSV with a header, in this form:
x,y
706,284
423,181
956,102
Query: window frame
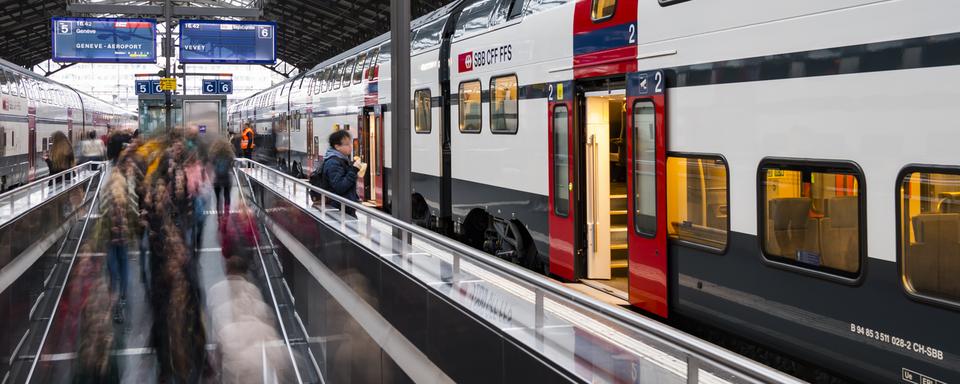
x,y
726,166
492,93
347,75
566,143
847,167
901,273
667,3
593,9
361,62
460,109
634,159
429,112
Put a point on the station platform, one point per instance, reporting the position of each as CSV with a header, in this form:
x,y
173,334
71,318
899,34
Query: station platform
x,y
338,297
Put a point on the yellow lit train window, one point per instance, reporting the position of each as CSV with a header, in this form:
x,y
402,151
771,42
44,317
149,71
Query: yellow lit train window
x,y
929,222
471,116
697,201
421,115
503,104
603,9
811,216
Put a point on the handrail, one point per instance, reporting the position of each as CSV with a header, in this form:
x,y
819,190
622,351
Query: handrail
x,y
58,185
76,250
688,343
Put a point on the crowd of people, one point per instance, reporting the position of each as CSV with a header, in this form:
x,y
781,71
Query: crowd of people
x,y
155,195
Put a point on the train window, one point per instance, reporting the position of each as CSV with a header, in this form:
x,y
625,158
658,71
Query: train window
x,y
474,17
698,200
337,75
812,215
3,82
644,168
561,161
506,10
347,72
422,112
471,107
929,232
317,82
428,36
603,9
358,71
372,64
503,104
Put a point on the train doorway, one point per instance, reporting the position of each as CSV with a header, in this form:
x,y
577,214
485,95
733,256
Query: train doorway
x,y
370,135
604,126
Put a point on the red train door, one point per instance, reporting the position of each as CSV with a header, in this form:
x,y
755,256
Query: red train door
x,y
562,224
646,190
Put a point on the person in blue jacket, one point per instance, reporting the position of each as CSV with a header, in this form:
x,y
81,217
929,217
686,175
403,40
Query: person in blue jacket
x,y
339,172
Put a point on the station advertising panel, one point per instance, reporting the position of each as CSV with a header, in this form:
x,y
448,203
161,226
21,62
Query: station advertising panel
x,y
228,42
104,40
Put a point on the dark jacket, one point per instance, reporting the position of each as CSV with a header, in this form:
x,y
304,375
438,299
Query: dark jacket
x,y
339,176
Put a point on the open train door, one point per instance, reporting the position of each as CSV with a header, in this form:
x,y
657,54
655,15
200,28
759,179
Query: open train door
x,y
560,127
646,191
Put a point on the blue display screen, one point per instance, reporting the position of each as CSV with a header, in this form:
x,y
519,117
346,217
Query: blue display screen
x,y
228,42
90,40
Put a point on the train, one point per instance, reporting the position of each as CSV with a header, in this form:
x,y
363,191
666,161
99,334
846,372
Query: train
x,y
699,159
33,108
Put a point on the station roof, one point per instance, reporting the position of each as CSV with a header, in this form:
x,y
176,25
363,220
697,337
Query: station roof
x,y
309,31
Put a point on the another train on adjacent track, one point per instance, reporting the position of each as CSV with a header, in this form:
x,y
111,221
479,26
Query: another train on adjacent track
x,y
33,108
699,158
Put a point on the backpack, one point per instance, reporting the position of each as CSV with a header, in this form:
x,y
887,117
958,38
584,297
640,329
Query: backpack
x,y
316,180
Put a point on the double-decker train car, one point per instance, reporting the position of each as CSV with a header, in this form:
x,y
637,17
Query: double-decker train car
x,y
33,108
705,159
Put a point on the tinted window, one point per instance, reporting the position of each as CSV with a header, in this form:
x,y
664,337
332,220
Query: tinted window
x,y
929,236
503,104
422,112
471,115
428,36
561,161
358,72
602,9
697,207
644,168
337,75
475,17
347,72
370,73
811,216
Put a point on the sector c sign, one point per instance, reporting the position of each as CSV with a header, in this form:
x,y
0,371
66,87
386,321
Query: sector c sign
x,y
98,40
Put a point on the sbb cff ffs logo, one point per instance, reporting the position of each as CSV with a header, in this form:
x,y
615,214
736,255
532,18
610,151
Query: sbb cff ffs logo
x,y
475,59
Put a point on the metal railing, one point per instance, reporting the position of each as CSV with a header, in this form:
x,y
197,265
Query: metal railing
x,y
690,358
20,200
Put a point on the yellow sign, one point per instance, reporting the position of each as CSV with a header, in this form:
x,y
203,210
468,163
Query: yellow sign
x,y
559,91
168,84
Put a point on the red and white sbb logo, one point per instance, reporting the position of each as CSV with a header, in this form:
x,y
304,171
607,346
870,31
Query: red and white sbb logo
x,y
466,61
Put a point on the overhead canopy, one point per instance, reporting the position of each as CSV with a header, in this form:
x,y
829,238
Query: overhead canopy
x,y
309,31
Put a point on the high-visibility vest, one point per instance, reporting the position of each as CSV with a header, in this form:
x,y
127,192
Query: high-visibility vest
x,y
246,141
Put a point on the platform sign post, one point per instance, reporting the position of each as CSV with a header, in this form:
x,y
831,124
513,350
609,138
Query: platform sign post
x,y
225,87
103,40
209,87
143,87
155,86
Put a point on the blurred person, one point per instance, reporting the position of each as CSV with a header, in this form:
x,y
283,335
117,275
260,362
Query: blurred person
x,y
116,142
95,363
91,148
222,157
59,157
339,171
186,354
119,213
197,184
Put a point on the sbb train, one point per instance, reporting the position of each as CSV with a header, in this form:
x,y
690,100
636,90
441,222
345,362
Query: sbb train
x,y
707,159
33,108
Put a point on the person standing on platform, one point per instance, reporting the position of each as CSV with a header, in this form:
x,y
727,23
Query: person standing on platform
x,y
92,148
60,156
339,174
247,143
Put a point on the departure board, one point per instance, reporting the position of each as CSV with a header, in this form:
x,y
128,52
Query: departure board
x,y
101,40
228,42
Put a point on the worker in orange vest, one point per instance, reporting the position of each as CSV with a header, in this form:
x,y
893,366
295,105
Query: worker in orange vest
x,y
246,142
